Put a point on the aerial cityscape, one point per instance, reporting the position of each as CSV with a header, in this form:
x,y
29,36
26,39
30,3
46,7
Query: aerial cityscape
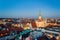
x,y
29,20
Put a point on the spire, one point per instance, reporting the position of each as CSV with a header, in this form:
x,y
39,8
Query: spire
x,y
39,13
40,17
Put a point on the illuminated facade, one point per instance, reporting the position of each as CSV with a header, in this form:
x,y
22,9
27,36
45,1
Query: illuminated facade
x,y
16,25
27,26
40,22
58,38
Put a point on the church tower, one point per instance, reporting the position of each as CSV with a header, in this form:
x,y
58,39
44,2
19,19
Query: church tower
x,y
40,17
40,22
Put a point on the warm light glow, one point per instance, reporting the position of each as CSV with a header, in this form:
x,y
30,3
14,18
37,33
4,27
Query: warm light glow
x,y
58,37
40,18
1,34
15,25
18,25
12,24
40,24
27,26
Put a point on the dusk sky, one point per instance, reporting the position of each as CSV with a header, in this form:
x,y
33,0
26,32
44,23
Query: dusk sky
x,y
29,8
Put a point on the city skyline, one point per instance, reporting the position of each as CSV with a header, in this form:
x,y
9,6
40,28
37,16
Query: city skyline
x,y
29,8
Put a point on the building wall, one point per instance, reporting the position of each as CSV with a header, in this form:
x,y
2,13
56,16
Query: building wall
x,y
40,24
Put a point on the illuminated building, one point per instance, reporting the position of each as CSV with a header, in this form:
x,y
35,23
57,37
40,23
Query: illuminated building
x,y
58,38
16,25
27,26
40,22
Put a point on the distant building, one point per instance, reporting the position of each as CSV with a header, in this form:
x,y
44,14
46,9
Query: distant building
x,y
1,22
16,24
